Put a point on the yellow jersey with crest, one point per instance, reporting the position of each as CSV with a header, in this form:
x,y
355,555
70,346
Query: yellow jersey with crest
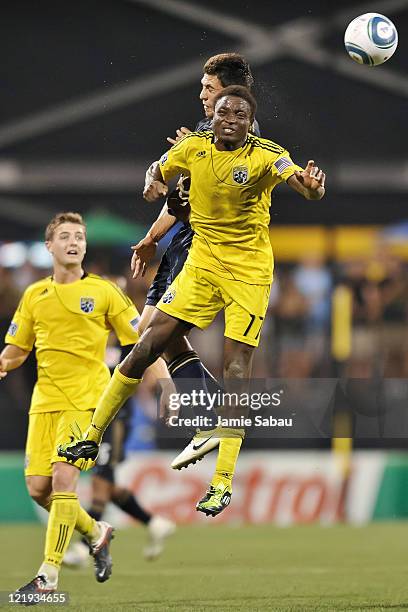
x,y
230,196
69,324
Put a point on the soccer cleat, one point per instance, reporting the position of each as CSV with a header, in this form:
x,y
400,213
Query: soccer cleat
x,y
159,529
200,444
77,556
38,586
78,449
101,554
215,500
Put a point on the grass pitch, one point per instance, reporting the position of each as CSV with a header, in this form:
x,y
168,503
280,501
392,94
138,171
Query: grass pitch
x,y
240,568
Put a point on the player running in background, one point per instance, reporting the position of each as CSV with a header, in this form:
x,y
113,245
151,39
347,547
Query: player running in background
x,y
67,318
229,266
183,362
104,489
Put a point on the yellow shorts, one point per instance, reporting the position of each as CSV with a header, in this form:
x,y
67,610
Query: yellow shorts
x,y
46,430
197,295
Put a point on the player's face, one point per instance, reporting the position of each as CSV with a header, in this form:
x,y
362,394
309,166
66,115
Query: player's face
x,y
68,245
211,85
232,119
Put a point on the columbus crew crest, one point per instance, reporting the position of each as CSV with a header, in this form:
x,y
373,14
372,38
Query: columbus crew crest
x,y
240,174
169,296
87,304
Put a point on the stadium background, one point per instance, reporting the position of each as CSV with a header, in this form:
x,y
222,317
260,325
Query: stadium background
x,y
89,92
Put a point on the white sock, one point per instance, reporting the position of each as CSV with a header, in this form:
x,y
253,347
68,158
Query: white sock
x,y
50,572
95,536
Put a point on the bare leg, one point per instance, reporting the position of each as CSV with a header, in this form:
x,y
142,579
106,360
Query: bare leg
x,y
40,488
237,370
161,330
238,359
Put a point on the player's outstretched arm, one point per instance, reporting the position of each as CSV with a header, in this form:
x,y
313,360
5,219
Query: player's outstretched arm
x,y
310,182
11,357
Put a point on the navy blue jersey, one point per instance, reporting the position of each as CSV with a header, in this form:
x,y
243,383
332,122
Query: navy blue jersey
x,y
171,263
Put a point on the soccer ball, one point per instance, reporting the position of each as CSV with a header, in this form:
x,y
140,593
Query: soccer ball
x,y
371,39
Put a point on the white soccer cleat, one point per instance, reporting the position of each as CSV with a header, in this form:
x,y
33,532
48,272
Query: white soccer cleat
x,y
159,529
77,556
201,444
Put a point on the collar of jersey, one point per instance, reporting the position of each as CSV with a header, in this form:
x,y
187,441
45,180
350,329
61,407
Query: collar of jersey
x,y
235,151
85,274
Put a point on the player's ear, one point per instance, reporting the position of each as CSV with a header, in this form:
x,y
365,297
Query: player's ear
x,y
48,245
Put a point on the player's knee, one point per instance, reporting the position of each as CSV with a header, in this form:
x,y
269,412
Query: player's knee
x,y
150,346
64,476
238,365
39,492
141,356
120,495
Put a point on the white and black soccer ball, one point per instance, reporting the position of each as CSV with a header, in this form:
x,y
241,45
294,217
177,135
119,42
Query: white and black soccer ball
x,y
371,39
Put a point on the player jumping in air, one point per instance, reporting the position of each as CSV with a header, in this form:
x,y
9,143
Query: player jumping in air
x,y
229,265
67,317
183,363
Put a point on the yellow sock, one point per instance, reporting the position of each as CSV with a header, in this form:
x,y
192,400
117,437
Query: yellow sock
x,y
230,445
85,524
61,524
119,389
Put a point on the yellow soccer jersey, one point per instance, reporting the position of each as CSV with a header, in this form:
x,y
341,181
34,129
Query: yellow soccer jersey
x,y
230,196
69,326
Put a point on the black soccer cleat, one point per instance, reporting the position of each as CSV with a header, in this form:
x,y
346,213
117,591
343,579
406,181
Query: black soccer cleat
x,y
101,554
78,449
30,594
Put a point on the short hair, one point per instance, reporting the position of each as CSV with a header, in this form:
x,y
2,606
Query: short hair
x,y
239,92
59,219
230,68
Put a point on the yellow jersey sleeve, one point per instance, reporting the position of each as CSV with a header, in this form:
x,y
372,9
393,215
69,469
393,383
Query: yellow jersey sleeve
x,y
21,330
283,167
122,316
176,160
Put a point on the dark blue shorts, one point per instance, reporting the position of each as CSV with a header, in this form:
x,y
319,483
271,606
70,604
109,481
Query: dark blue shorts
x,y
171,264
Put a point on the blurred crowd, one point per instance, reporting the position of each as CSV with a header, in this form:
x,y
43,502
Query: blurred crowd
x,y
296,335
296,339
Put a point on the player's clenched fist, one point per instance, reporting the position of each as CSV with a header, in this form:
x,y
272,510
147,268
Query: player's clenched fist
x,y
154,191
